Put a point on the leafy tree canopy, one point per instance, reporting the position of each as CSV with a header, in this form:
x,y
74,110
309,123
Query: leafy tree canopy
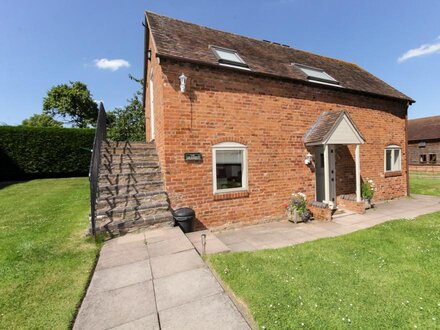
x,y
72,102
128,123
42,120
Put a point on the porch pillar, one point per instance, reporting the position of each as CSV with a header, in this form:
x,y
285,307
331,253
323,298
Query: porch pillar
x,y
326,174
358,174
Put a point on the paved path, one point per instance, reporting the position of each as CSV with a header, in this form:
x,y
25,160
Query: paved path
x,y
280,234
155,280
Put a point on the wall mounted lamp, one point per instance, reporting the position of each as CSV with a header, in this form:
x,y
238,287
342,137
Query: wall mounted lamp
x,y
308,159
183,79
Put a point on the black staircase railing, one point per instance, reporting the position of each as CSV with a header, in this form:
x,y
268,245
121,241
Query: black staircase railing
x,y
95,162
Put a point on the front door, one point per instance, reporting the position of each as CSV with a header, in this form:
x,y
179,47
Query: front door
x,y
320,176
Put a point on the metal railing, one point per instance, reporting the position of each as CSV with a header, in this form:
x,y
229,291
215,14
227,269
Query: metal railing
x,y
95,162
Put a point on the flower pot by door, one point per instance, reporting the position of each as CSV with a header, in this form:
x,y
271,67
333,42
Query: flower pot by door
x,y
293,216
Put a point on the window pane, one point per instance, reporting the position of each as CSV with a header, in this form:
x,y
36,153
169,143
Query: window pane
x,y
227,55
422,158
317,74
388,160
432,158
229,165
396,165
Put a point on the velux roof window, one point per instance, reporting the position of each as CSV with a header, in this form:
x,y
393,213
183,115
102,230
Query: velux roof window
x,y
228,57
317,75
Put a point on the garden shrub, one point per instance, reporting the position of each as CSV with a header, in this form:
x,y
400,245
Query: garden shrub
x,y
40,152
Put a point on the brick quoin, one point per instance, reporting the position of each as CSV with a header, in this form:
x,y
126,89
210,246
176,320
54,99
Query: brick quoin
x,y
270,116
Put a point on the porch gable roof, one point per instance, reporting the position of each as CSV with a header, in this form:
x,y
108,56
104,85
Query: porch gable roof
x,y
333,127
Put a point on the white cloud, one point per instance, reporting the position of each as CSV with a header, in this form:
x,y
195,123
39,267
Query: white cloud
x,y
113,65
425,49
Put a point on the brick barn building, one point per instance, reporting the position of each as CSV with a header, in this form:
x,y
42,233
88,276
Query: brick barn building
x,y
424,144
240,124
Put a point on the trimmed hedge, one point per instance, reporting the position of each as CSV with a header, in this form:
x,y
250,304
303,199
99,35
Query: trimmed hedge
x,y
40,152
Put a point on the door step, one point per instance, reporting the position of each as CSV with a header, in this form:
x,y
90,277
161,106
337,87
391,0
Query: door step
x,y
341,213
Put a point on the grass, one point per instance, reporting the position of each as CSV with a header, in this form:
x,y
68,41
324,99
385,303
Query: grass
x,y
45,259
423,184
383,277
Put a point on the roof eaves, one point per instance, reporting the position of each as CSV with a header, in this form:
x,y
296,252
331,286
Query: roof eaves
x,y
276,76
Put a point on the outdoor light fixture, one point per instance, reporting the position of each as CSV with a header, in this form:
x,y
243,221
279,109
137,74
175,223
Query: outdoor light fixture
x,y
309,159
183,79
203,237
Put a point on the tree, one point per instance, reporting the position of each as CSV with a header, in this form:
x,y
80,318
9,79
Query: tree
x,y
42,120
128,123
72,102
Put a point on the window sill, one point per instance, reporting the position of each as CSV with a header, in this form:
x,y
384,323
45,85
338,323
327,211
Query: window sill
x,y
393,174
230,195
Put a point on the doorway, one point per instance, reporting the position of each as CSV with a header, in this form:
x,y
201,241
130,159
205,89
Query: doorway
x,y
320,174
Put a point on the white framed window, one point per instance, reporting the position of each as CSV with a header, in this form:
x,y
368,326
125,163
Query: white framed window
x,y
392,158
229,167
228,57
316,74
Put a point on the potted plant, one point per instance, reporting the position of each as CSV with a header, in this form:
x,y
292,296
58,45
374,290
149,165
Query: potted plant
x,y
297,208
368,188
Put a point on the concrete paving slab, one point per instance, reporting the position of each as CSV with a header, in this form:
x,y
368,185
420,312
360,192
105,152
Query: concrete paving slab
x,y
180,288
162,234
175,263
209,313
213,244
113,308
149,322
120,276
113,255
129,283
242,247
169,246
128,238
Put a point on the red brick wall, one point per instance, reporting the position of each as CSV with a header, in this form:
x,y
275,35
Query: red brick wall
x,y
425,168
271,117
358,207
345,170
321,214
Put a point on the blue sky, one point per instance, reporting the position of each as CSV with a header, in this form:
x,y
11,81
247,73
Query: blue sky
x,y
47,42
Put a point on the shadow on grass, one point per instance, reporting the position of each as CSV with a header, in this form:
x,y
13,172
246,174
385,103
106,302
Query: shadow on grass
x,y
11,183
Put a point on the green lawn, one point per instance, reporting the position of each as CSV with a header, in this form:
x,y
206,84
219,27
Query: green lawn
x,y
387,276
422,183
45,259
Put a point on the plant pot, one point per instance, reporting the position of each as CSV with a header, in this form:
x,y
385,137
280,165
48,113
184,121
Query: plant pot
x,y
368,204
293,216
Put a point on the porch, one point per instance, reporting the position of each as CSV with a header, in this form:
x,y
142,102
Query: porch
x,y
330,142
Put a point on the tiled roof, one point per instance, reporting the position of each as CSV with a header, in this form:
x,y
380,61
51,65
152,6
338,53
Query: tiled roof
x,y
427,128
323,126
191,42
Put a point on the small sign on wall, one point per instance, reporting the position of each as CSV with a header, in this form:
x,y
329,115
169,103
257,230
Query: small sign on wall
x,y
193,157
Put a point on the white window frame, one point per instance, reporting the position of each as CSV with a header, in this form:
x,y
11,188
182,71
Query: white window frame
x,y
230,146
392,168
240,63
328,80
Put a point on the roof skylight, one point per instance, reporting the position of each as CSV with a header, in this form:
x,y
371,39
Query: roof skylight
x,y
228,57
317,75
